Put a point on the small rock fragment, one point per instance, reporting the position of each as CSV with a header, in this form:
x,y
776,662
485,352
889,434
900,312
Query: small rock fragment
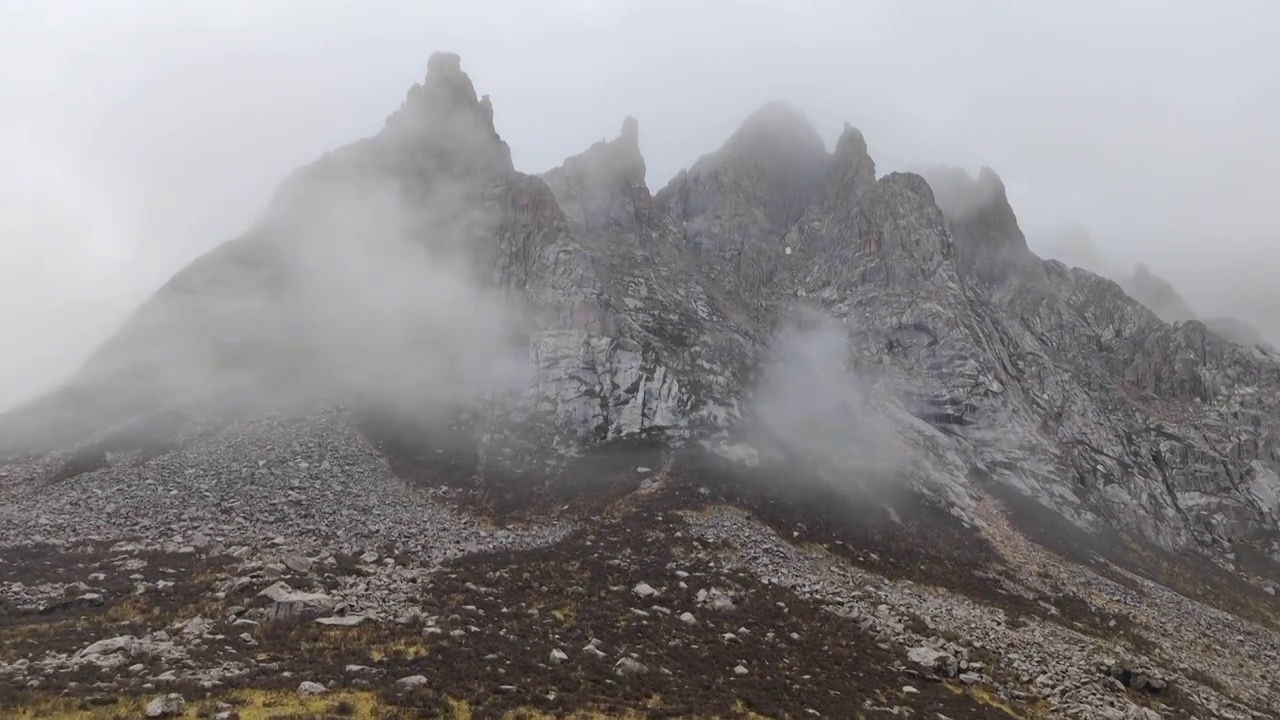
x,y
165,706
644,590
629,666
308,688
411,682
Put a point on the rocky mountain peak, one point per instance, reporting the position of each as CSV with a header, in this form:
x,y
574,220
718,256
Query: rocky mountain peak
x,y
829,226
443,119
990,245
1157,293
853,171
851,144
630,132
736,204
775,133
605,185
893,235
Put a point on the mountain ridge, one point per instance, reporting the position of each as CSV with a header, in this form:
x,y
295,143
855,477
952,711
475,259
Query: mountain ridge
x,y
847,236
778,327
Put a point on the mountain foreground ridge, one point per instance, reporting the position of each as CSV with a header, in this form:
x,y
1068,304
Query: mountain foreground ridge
x,y
787,437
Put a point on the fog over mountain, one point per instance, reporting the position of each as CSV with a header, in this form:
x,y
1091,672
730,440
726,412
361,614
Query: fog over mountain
x,y
136,137
598,359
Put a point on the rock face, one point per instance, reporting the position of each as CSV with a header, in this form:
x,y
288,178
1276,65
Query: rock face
x,y
577,309
989,244
1145,420
734,205
1074,246
604,186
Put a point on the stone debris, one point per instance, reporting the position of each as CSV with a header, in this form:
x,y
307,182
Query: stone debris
x,y
1067,669
166,706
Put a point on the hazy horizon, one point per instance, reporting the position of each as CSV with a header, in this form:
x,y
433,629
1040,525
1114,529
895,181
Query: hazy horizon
x,y
141,137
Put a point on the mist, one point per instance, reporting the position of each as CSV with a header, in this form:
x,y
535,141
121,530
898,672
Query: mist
x,y
810,398
135,138
393,317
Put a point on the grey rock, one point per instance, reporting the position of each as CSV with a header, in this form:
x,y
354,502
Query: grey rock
x,y
165,706
297,563
307,688
411,682
123,644
629,666
644,591
935,659
290,604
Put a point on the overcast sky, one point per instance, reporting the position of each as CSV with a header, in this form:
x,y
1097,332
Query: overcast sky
x,y
136,135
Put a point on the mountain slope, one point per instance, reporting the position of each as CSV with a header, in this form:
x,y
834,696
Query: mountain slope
x,y
795,433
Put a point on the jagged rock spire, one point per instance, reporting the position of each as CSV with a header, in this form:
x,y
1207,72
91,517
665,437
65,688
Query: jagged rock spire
x,y
1157,294
631,132
443,120
852,172
775,133
829,224
737,203
604,185
989,243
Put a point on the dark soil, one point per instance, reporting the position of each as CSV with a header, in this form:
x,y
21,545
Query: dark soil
x,y
514,609
873,522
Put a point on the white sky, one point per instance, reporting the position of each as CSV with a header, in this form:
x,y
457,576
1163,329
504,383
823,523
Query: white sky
x,y
136,135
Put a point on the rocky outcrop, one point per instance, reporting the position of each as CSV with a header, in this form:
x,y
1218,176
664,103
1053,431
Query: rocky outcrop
x,y
1116,387
444,122
832,215
990,247
1073,246
604,187
1158,294
735,205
